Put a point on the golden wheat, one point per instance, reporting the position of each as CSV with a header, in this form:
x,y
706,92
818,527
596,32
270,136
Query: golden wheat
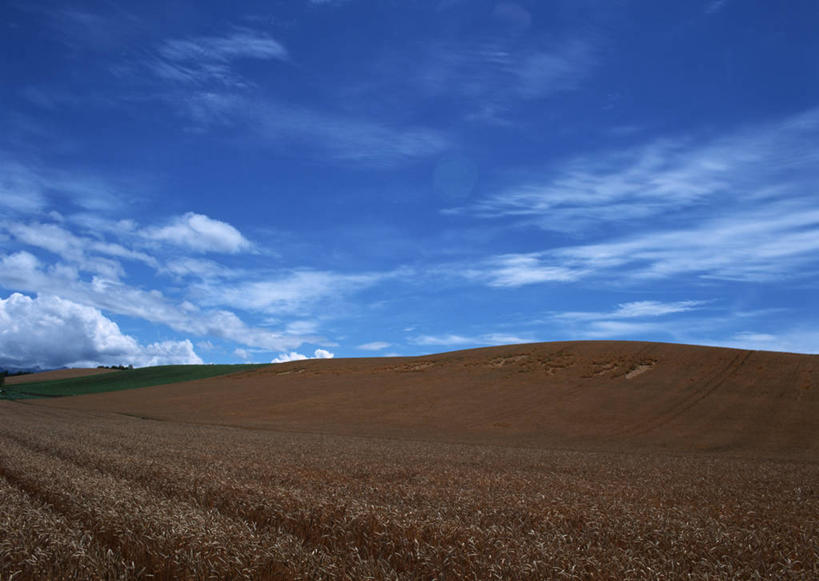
x,y
114,497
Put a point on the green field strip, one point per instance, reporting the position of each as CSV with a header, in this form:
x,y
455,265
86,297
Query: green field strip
x,y
120,380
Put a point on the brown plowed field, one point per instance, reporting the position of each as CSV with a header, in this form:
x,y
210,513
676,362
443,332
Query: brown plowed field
x,y
56,374
582,395
550,461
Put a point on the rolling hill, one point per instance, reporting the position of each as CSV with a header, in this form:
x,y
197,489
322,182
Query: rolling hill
x,y
588,395
56,374
69,382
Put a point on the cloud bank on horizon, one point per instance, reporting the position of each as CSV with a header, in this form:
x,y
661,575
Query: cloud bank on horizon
x,y
350,178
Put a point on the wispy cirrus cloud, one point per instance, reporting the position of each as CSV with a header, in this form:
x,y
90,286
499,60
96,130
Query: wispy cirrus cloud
x,y
28,188
186,266
499,70
349,139
323,134
20,189
778,240
455,340
484,79
794,340
206,86
743,168
79,250
288,292
374,346
740,207
211,59
621,329
514,270
632,319
633,310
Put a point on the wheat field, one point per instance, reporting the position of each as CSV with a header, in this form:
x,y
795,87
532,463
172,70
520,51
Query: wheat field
x,y
100,496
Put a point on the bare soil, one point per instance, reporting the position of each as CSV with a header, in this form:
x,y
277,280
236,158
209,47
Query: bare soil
x,y
579,395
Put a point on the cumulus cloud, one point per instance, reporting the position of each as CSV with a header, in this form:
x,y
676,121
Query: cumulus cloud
x,y
50,332
295,356
200,233
23,271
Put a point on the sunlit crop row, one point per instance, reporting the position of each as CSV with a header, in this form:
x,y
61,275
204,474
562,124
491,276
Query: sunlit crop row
x,y
116,497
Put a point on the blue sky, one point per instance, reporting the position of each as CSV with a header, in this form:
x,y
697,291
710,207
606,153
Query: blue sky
x,y
229,182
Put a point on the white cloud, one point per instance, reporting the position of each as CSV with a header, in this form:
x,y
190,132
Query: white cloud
x,y
780,239
609,329
792,341
451,339
50,332
205,59
200,233
742,169
514,270
636,319
635,309
78,249
294,356
653,308
374,346
504,339
167,353
198,267
240,44
241,353
23,271
302,327
287,293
